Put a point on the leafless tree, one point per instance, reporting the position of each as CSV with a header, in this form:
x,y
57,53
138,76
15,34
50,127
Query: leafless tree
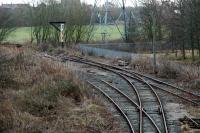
x,y
6,26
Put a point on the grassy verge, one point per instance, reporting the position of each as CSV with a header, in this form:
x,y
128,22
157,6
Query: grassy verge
x,y
38,95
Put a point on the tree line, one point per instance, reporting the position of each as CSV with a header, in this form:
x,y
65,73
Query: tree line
x,y
73,12
176,22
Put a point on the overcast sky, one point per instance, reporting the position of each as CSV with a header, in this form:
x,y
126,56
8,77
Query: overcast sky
x,y
128,2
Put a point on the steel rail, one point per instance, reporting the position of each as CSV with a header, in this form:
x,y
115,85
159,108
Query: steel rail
x,y
138,97
134,89
159,102
139,78
181,97
157,97
116,105
135,104
140,102
108,70
104,67
139,74
193,121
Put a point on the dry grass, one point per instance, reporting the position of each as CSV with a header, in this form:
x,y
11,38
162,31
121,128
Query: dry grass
x,y
142,64
168,69
38,95
185,129
184,75
181,72
194,111
57,50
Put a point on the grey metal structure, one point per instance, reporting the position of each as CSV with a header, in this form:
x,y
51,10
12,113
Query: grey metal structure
x,y
105,19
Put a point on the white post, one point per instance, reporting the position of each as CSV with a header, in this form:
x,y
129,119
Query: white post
x,y
62,27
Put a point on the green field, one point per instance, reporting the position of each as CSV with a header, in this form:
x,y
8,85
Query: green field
x,y
22,35
113,33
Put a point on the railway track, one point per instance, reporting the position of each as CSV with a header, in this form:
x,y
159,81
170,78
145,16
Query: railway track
x,y
157,113
129,107
143,100
180,93
131,129
139,116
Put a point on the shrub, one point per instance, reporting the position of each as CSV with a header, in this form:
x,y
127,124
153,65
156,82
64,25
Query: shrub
x,y
44,47
167,70
142,64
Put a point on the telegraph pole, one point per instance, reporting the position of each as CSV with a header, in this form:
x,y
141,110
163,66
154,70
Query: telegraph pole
x,y
125,21
153,42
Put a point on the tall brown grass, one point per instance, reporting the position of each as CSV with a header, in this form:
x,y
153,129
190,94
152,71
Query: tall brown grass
x,y
180,72
40,95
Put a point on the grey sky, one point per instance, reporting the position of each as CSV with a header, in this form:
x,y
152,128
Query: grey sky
x,y
128,2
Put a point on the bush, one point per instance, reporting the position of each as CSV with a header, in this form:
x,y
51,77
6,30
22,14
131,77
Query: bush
x,y
167,70
142,64
44,47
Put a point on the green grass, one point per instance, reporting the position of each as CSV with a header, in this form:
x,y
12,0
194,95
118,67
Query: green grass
x,y
20,35
23,34
113,33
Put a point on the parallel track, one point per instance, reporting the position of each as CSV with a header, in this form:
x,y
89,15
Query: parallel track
x,y
117,107
157,84
141,75
160,108
129,100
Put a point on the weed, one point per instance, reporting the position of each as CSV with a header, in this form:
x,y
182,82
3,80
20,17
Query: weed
x,y
142,64
167,70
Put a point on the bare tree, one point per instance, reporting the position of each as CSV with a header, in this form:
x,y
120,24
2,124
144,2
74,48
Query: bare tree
x,y
6,26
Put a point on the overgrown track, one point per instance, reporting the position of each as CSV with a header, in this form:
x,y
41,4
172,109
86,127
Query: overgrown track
x,y
142,98
144,90
131,129
128,105
142,75
157,84
158,112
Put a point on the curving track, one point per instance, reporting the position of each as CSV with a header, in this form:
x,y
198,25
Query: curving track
x,y
157,84
138,94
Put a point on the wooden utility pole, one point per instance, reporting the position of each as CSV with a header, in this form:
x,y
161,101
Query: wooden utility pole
x,y
125,21
153,41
